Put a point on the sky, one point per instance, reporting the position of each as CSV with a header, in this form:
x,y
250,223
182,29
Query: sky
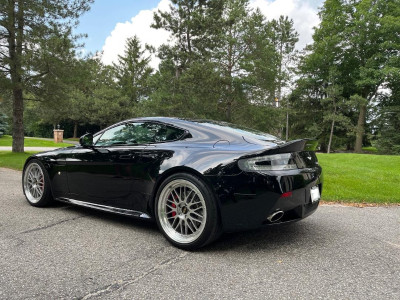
x,y
109,23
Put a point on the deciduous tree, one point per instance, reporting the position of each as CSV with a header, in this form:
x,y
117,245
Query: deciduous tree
x,y
28,30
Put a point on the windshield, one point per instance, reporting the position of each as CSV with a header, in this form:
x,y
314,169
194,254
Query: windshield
x,y
244,131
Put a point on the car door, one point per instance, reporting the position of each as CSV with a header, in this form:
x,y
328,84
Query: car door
x,y
108,172
119,170
155,155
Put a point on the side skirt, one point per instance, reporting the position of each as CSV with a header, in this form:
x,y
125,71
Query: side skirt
x,y
115,210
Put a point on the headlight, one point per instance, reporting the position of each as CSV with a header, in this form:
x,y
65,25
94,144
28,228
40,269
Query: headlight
x,y
276,162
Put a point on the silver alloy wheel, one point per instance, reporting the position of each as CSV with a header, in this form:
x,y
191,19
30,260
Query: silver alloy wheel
x,y
34,183
182,211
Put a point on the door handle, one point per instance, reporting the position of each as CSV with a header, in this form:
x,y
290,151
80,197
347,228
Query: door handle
x,y
149,155
127,156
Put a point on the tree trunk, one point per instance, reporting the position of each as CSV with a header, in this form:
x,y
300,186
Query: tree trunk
x,y
280,84
332,127
280,130
287,119
360,129
228,108
188,35
75,130
229,88
18,123
14,39
228,112
330,137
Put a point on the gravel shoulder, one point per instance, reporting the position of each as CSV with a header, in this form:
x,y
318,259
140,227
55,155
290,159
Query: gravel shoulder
x,y
63,251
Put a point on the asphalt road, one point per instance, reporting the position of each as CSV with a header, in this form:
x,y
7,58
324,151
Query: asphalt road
x,y
69,252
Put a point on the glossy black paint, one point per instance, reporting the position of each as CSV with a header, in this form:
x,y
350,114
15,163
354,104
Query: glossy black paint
x,y
124,178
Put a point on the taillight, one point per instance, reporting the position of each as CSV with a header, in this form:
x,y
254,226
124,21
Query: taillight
x,y
275,162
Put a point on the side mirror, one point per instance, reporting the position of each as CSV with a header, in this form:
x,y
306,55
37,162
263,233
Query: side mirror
x,y
86,140
185,135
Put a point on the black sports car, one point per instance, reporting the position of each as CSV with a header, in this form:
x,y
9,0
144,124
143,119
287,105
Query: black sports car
x,y
195,178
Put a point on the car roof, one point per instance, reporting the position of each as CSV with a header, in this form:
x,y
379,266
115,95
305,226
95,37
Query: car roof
x,y
207,130
198,130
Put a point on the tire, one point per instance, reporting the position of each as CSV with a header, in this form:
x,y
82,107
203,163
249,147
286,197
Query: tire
x,y
36,184
186,212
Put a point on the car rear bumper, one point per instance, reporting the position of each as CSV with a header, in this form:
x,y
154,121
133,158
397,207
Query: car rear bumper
x,y
247,200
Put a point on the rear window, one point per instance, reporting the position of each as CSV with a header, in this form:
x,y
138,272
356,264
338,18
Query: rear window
x,y
244,131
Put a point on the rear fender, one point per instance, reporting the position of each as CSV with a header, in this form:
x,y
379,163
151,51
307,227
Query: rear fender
x,y
166,174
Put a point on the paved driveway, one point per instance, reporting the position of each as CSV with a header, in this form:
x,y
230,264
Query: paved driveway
x,y
69,252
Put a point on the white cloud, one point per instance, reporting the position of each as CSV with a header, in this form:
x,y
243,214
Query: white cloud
x,y
139,25
303,14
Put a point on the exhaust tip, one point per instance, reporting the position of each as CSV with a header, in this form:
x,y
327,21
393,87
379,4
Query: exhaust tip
x,y
276,216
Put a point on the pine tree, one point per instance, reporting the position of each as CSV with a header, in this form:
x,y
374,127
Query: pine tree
x,y
133,71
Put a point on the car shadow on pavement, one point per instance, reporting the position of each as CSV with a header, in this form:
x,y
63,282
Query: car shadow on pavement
x,y
302,234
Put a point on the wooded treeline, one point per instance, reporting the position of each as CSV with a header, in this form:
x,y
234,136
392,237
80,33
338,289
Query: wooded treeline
x,y
225,61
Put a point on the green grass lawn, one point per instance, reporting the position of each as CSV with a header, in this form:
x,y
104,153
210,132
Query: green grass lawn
x,y
6,140
72,139
14,160
361,177
370,149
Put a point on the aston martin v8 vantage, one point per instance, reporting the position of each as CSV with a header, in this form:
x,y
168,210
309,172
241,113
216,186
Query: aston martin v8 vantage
x,y
195,178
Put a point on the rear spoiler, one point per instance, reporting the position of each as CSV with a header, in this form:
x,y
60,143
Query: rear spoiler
x,y
294,146
289,147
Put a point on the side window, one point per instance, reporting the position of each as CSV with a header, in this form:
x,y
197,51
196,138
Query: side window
x,y
167,133
119,135
139,133
148,132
